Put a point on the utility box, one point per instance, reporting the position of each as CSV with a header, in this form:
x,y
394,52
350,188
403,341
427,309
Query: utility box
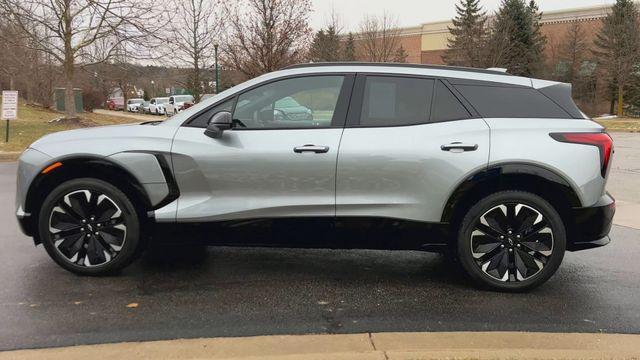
x,y
58,99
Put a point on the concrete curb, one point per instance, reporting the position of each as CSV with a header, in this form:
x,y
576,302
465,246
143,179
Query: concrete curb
x,y
477,345
9,156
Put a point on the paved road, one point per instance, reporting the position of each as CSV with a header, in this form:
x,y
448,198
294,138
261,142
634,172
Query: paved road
x,y
210,292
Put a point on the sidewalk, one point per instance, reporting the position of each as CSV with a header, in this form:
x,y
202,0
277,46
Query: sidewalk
x,y
476,345
130,115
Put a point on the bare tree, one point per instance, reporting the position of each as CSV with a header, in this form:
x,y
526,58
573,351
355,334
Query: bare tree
x,y
265,35
379,38
67,30
497,43
327,44
194,32
11,55
573,49
618,45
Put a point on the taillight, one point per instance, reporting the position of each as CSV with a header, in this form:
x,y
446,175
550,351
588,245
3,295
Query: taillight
x,y
600,140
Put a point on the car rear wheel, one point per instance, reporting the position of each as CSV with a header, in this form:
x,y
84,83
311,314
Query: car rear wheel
x,y
89,227
511,241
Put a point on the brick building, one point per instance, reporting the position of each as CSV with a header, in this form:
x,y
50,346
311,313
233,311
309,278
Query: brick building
x,y
427,43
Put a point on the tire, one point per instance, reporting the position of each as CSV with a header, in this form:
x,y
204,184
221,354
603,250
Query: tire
x,y
511,241
89,227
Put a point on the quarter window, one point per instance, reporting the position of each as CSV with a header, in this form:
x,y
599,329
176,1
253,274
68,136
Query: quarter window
x,y
511,102
306,102
202,120
446,106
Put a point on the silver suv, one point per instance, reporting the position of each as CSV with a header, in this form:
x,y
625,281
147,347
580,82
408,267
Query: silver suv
x,y
504,172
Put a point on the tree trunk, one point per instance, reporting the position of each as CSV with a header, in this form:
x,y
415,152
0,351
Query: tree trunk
x,y
69,96
620,100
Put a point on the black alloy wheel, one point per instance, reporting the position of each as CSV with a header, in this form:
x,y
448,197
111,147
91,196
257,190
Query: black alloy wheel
x,y
511,240
89,227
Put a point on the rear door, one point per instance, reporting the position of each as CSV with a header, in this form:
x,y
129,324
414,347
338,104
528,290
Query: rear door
x,y
408,143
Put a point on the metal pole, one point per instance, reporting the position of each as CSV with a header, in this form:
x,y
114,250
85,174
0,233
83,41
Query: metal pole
x,y
6,138
215,48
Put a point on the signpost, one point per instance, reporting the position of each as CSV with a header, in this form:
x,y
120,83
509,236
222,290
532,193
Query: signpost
x,y
9,109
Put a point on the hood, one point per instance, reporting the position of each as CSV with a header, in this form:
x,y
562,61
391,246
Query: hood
x,y
107,140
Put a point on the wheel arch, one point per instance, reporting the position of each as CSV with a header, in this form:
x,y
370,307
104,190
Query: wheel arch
x,y
533,178
90,166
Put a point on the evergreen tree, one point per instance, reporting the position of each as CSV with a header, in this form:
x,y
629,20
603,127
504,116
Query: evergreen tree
x,y
519,25
618,46
401,55
325,46
538,40
349,51
465,47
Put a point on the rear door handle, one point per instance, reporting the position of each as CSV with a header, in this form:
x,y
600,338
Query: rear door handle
x,y
457,147
311,148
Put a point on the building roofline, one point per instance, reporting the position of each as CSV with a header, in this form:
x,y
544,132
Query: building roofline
x,y
403,65
555,16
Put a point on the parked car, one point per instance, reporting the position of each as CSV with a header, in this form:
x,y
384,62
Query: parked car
x,y
115,104
144,107
504,172
289,109
133,104
157,106
177,103
188,104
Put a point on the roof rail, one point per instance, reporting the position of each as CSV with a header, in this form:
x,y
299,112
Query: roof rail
x,y
495,71
502,70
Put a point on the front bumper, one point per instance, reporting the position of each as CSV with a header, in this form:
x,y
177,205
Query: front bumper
x,y
25,221
592,225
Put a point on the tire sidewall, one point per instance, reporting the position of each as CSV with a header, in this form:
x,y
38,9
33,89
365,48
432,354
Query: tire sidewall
x,y
465,255
132,240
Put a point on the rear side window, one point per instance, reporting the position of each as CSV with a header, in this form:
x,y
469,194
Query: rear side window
x,y
510,102
393,101
446,107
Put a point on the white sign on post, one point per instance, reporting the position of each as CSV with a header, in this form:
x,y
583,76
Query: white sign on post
x,y
9,105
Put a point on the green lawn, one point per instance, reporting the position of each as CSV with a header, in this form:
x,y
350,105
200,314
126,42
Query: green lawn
x,y
33,123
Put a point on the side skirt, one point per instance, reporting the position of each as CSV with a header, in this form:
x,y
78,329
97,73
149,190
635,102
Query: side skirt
x,y
324,233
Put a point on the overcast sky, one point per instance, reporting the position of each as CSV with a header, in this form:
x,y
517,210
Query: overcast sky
x,y
415,12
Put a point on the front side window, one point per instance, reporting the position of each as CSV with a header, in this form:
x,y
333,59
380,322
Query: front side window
x,y
394,101
305,102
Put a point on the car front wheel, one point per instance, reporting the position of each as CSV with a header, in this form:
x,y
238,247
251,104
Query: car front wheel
x,y
89,227
511,241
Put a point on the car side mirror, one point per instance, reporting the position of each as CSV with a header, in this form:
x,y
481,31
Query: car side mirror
x,y
219,122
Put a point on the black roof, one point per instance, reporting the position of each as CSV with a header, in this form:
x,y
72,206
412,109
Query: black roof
x,y
406,65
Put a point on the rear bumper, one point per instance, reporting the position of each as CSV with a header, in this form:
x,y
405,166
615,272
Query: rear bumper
x,y
592,225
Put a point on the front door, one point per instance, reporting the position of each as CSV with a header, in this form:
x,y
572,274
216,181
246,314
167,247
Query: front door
x,y
279,160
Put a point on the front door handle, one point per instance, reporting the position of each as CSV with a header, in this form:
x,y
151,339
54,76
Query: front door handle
x,y
311,148
457,147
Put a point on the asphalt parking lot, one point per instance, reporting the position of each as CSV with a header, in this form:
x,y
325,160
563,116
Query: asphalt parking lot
x,y
198,292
